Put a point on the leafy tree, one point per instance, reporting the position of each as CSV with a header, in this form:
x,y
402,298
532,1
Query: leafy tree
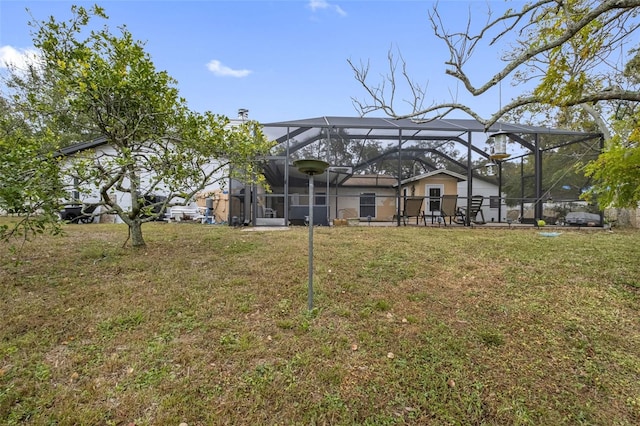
x,y
31,93
157,144
617,170
566,50
29,183
34,123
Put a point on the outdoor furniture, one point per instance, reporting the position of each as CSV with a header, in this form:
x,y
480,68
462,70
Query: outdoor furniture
x,y
583,219
475,208
77,213
299,215
449,208
185,213
413,208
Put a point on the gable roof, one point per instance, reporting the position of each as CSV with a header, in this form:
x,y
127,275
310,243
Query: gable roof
x,y
77,147
373,181
454,175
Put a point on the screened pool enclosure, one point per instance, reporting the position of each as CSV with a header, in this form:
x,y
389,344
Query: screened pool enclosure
x,y
373,160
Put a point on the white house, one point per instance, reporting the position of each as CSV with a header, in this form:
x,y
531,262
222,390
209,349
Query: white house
x,y
152,189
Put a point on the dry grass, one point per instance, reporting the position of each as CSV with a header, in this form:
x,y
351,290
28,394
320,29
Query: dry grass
x,y
412,326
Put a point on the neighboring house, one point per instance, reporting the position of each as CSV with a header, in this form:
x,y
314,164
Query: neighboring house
x,y
97,148
87,194
624,216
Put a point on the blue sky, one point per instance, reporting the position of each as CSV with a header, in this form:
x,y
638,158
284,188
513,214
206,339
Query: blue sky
x,y
281,59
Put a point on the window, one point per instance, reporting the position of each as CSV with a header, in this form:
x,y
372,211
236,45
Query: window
x,y
494,201
368,204
321,199
75,192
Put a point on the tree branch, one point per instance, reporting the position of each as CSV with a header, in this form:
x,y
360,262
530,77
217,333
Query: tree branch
x,y
459,55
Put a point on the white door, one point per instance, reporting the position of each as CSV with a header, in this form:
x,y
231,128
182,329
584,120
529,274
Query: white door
x,y
434,195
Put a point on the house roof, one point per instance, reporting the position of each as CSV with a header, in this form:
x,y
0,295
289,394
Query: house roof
x,y
377,181
102,140
454,175
381,129
77,147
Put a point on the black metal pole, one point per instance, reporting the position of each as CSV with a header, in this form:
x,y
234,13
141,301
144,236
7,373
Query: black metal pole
x,y
499,191
521,188
538,173
467,219
398,192
310,287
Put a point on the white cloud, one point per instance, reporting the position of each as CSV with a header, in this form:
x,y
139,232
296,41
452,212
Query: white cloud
x,y
217,68
316,5
19,58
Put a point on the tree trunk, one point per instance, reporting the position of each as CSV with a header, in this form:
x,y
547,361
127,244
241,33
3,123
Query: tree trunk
x,y
135,231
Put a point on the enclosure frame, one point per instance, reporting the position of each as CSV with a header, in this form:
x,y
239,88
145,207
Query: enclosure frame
x,y
291,136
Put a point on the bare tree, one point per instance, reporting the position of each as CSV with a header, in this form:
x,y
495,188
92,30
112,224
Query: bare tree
x,y
566,48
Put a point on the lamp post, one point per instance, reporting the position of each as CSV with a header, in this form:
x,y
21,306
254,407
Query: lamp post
x,y
311,167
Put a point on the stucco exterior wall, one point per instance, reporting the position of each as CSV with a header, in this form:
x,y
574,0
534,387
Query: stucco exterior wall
x,y
345,203
348,203
418,187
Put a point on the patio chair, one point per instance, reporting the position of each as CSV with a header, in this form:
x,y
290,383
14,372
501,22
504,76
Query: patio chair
x,y
475,208
449,209
413,208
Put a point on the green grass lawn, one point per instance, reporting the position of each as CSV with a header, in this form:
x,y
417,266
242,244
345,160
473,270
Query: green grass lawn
x,y
412,325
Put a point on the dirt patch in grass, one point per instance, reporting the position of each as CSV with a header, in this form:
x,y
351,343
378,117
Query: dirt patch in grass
x,y
209,325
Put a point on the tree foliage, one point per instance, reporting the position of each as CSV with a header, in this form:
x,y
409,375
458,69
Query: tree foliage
x,y
30,182
617,170
566,53
108,83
